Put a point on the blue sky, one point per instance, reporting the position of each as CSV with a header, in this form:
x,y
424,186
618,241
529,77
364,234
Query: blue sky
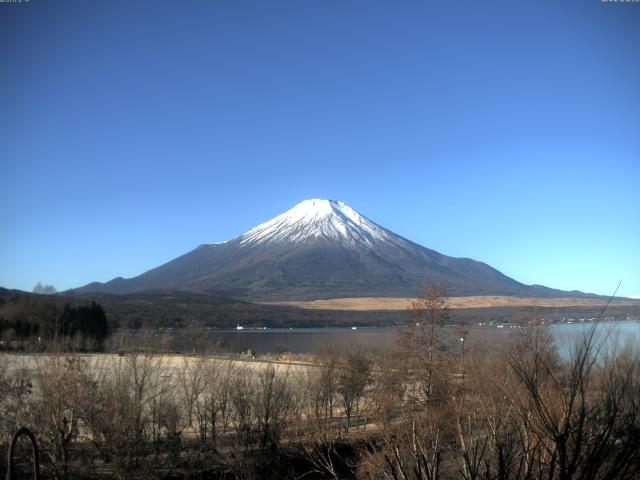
x,y
509,132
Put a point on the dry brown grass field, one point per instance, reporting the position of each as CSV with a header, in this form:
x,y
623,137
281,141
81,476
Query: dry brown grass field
x,y
396,303
30,363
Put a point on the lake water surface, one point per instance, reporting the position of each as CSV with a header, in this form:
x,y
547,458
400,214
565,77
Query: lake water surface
x,y
316,340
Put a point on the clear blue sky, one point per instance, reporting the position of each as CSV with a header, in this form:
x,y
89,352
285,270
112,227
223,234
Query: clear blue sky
x,y
509,132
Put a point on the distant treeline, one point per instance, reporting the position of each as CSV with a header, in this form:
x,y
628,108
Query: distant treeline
x,y
37,319
28,314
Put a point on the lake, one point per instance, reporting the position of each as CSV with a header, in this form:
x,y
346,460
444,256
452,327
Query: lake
x,y
316,340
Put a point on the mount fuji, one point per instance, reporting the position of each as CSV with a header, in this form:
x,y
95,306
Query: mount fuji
x,y
320,249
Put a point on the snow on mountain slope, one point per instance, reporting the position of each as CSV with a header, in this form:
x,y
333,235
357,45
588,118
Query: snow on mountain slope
x,y
318,219
319,249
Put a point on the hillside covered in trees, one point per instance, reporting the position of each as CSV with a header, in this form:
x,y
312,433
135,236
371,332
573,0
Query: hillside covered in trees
x,y
32,320
24,314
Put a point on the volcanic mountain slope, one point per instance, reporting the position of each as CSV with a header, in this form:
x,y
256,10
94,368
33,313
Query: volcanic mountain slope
x,y
320,249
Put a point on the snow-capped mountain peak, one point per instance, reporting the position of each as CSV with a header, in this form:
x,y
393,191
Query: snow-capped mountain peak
x,y
319,249
318,219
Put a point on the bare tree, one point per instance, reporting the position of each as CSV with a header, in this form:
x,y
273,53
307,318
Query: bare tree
x,y
64,385
243,392
16,389
353,378
388,386
44,289
133,412
191,383
421,340
212,405
321,385
273,402
584,415
320,441
412,449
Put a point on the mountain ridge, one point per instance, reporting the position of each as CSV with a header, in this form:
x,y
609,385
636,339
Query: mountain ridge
x,y
321,249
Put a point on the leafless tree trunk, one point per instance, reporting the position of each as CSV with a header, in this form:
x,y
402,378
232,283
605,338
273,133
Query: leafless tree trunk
x,y
421,340
353,379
